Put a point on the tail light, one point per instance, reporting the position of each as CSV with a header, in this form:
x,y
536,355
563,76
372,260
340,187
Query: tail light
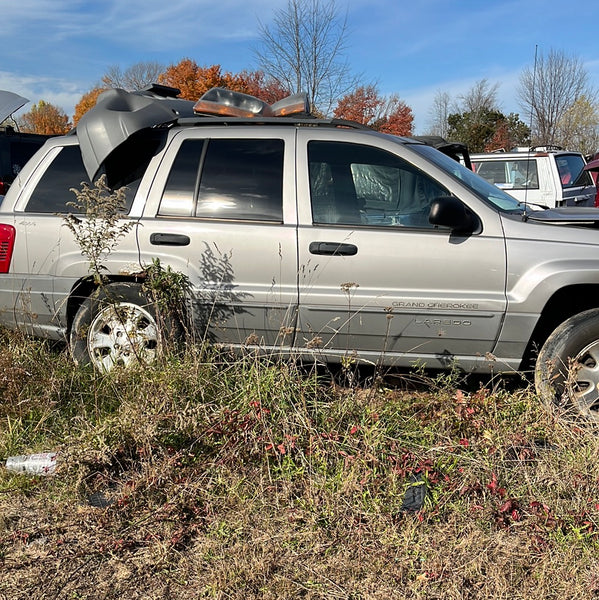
x,y
7,243
3,187
597,198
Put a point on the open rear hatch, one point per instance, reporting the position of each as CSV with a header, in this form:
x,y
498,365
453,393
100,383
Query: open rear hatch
x,y
118,114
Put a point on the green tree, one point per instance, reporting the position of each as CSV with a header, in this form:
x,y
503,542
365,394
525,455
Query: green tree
x,y
509,133
474,116
487,130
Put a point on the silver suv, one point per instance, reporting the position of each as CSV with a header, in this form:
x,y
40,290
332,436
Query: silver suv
x,y
310,237
542,176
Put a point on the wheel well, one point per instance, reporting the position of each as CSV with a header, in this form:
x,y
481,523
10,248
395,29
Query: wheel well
x,y
83,289
564,304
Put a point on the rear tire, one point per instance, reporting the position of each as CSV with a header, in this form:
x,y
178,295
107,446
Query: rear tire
x,y
115,326
567,368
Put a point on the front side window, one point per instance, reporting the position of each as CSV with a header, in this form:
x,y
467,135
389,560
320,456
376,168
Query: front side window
x,y
515,174
239,179
353,184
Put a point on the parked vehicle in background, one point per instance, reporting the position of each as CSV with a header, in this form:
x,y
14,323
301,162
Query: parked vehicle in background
x,y
543,176
16,148
309,237
592,167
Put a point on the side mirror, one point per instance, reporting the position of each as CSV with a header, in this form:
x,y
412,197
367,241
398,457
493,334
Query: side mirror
x,y
449,211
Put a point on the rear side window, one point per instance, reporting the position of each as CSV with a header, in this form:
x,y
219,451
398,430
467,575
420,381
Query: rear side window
x,y
517,174
52,192
123,168
239,179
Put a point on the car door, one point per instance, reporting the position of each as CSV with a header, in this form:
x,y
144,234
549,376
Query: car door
x,y
375,278
222,210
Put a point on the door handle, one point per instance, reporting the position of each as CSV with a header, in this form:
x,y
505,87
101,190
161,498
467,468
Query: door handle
x,y
333,249
169,239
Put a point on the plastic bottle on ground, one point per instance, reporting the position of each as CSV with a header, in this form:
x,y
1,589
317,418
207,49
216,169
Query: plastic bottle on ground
x,y
34,464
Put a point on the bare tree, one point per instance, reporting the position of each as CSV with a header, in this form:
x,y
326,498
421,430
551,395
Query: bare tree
x,y
479,99
133,78
477,102
303,50
439,113
548,90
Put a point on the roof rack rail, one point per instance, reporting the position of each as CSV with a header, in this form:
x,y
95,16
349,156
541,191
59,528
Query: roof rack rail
x,y
545,148
301,120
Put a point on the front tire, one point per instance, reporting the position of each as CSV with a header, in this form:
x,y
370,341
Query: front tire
x,y
567,368
115,326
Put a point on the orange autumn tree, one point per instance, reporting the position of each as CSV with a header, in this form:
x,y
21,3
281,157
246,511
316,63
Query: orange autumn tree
x,y
397,117
193,80
87,101
362,105
365,105
259,85
45,118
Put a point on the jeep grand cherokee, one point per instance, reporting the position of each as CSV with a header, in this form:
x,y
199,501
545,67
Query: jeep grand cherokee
x,y
304,236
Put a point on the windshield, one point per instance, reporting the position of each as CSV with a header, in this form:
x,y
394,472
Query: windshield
x,y
481,187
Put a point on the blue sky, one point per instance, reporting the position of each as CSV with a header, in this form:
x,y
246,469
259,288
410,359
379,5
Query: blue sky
x,y
56,50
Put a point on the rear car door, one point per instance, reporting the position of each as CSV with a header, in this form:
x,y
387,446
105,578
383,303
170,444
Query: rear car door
x,y
375,278
222,210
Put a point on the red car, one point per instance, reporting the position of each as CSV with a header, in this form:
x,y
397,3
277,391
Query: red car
x,y
593,167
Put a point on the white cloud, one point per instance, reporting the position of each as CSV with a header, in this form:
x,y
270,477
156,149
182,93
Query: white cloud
x,y
152,24
62,93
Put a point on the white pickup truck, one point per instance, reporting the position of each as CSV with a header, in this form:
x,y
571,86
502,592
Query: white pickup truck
x,y
541,176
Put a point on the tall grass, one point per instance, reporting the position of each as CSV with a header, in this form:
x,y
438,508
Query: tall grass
x,y
207,476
